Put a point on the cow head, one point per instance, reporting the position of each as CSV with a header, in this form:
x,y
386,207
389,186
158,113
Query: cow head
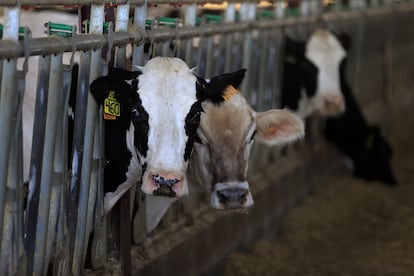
x,y
312,75
372,162
226,134
161,106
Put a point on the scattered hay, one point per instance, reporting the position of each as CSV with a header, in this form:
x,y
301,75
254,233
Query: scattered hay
x,y
348,227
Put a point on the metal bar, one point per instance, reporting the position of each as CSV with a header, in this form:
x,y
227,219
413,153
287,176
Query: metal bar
x,y
247,13
55,44
12,245
8,88
35,181
9,49
122,15
44,231
61,257
230,17
125,201
97,2
84,216
140,14
46,223
190,20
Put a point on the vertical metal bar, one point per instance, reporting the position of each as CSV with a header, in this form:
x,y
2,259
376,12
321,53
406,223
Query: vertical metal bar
x,y
140,15
247,13
122,16
280,9
263,48
61,258
87,193
209,48
48,196
77,148
230,17
8,88
190,20
35,181
12,245
125,202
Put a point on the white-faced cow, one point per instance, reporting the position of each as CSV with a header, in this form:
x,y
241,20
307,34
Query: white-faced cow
x,y
369,151
311,75
228,127
152,136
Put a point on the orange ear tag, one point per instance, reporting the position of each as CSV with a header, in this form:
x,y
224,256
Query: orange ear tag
x,y
112,108
229,92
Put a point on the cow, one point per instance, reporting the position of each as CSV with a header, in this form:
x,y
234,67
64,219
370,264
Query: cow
x,y
227,132
224,139
370,153
310,82
161,107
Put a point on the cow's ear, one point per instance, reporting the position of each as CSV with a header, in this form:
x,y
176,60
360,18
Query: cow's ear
x,y
217,87
278,127
102,86
123,74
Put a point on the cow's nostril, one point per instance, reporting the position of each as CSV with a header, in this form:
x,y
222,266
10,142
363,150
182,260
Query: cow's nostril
x,y
161,181
233,197
222,197
243,197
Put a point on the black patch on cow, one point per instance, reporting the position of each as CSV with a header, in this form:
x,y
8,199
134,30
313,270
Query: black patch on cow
x,y
213,91
125,84
192,121
363,144
216,86
298,73
139,118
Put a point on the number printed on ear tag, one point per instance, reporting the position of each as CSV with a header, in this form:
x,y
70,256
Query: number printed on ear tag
x,y
112,108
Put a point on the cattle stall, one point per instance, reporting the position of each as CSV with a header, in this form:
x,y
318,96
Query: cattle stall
x,y
51,213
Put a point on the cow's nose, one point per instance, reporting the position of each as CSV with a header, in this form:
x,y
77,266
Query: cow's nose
x,y
166,186
334,104
233,198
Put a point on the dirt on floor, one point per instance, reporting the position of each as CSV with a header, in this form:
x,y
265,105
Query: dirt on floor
x,y
347,227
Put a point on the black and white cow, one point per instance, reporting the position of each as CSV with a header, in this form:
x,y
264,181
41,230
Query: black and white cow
x,y
368,150
151,139
227,130
311,75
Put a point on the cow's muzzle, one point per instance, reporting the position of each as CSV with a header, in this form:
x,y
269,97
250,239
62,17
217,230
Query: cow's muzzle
x,y
234,197
165,185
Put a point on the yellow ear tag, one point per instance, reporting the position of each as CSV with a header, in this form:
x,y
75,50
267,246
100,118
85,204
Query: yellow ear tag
x,y
112,108
229,92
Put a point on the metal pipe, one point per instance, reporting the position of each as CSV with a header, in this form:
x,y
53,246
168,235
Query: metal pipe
x,y
85,42
7,96
48,196
248,14
122,16
55,44
190,20
12,246
35,181
82,233
140,14
230,17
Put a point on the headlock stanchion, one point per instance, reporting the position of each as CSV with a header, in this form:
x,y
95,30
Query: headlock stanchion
x,y
52,219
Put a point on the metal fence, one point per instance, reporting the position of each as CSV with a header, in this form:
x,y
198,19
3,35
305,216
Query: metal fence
x,y
60,224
